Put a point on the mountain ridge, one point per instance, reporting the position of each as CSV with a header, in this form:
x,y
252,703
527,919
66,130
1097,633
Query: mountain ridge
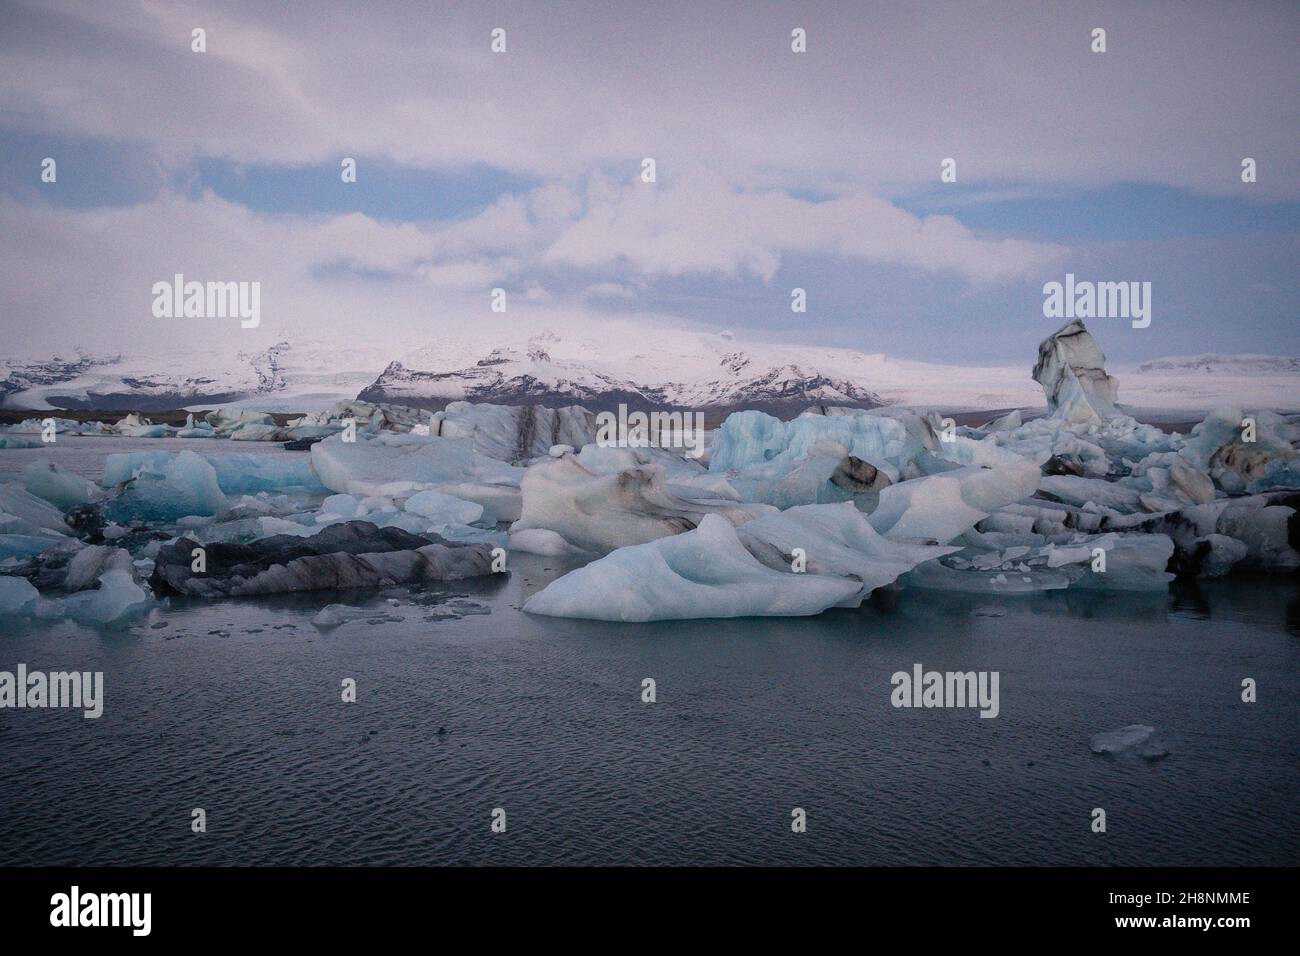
x,y
708,372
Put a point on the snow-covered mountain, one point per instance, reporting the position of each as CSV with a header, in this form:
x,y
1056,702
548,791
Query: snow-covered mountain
x,y
710,372
281,377
685,370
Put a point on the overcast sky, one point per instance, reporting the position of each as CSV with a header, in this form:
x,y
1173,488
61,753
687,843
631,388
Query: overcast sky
x,y
775,170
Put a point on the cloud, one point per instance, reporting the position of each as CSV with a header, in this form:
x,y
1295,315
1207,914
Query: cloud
x,y
1010,90
700,224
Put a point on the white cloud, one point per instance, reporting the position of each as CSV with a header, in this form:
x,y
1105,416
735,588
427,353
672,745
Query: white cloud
x,y
883,93
700,224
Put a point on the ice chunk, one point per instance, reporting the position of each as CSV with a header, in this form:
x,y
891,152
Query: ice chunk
x,y
542,541
1218,445
822,473
195,430
1134,562
1220,554
185,484
18,598
35,514
356,554
224,421
598,513
117,600
705,573
368,416
336,615
250,474
58,486
515,433
1136,739
249,529
1071,369
611,459
1277,474
834,540
1077,491
752,438
1266,532
127,466
386,463
940,507
344,506
25,545
938,576
255,431
446,509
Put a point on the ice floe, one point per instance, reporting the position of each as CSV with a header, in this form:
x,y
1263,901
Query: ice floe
x,y
598,513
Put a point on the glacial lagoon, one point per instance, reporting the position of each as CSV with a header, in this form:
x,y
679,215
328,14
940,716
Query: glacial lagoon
x,y
465,704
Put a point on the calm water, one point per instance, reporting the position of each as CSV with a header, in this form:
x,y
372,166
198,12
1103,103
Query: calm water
x,y
234,707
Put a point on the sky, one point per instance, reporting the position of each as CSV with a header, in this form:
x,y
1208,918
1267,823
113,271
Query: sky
x,y
774,170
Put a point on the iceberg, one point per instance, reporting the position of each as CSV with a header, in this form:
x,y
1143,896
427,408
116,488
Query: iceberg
x,y
117,600
185,484
940,507
58,486
835,540
18,598
386,463
442,508
515,433
355,554
27,513
1136,739
251,474
1219,447
599,513
704,573
1071,369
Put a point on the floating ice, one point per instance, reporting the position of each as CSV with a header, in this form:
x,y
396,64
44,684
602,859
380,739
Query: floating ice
x,y
1071,369
336,615
751,438
443,508
250,474
598,513
1218,446
834,540
18,598
356,554
29,514
117,600
385,463
182,485
224,421
940,507
58,486
255,431
1136,739
705,573
515,433
542,541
